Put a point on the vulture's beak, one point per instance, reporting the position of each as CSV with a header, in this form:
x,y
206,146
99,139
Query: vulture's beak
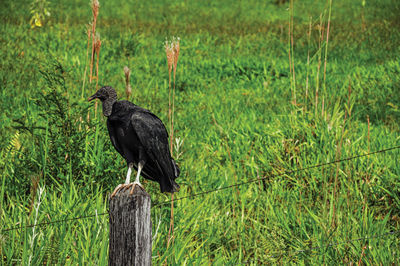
x,y
94,96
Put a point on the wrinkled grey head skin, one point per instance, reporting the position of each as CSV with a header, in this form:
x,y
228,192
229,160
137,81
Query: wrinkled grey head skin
x,y
108,96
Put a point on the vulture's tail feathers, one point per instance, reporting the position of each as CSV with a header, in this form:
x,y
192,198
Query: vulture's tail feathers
x,y
175,187
177,171
169,184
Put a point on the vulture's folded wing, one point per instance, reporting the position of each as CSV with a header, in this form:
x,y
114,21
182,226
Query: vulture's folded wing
x,y
111,132
154,138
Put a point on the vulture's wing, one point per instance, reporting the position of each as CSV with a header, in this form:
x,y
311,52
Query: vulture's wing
x,y
111,132
154,138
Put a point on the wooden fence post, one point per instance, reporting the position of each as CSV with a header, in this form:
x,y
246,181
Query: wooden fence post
x,y
130,228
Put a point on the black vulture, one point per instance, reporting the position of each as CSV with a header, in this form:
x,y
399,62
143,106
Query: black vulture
x,y
141,138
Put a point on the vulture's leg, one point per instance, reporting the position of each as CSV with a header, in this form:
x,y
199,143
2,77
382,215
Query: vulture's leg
x,y
127,181
137,181
128,175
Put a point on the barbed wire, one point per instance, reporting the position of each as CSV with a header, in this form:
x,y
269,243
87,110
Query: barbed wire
x,y
297,252
348,241
210,191
277,175
53,222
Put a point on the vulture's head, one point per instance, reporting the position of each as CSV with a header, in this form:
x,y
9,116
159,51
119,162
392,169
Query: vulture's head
x,y
108,96
104,94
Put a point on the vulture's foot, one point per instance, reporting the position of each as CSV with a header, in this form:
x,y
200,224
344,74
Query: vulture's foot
x,y
133,185
118,188
126,186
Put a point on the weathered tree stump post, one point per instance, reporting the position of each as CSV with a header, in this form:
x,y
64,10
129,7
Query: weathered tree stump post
x,y
130,228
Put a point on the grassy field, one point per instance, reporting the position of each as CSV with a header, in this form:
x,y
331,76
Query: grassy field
x,y
261,89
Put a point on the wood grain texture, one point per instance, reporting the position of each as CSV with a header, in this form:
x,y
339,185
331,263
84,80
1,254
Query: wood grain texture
x,y
130,228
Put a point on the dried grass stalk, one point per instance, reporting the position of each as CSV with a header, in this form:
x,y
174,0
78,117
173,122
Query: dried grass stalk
x,y
95,11
176,48
88,31
169,50
172,51
97,46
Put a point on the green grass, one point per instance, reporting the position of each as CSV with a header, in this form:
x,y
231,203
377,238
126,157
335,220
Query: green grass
x,y
234,113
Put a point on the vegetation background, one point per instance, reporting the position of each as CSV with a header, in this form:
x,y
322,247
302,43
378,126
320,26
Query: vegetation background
x,y
262,88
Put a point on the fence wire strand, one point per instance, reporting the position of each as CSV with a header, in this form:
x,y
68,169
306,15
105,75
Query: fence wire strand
x,y
277,175
348,241
214,190
53,222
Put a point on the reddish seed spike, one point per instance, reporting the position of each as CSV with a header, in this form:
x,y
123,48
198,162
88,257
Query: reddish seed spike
x,y
127,72
95,8
176,48
170,55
